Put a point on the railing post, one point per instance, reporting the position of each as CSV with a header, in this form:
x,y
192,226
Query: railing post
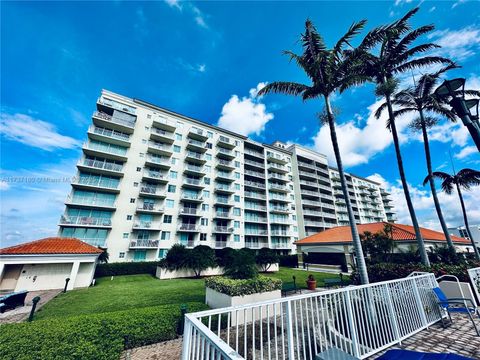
x,y
419,303
393,315
187,338
351,324
290,341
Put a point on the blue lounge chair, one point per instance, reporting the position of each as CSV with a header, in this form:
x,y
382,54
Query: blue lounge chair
x,y
396,354
457,305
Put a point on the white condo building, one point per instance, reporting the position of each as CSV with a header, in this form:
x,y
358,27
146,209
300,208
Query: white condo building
x,y
150,178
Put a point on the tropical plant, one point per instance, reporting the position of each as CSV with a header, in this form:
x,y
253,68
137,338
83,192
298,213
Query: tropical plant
x,y
242,265
329,71
200,258
464,179
443,254
176,257
265,258
396,56
380,245
103,257
422,99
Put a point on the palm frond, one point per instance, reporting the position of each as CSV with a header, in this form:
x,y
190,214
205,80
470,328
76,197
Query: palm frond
x,y
380,110
354,30
410,37
448,181
467,178
283,87
312,42
421,62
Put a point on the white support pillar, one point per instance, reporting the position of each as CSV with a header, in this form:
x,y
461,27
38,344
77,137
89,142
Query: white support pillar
x,y
73,274
2,269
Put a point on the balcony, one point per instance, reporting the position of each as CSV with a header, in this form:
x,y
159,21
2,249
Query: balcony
x,y
280,220
280,245
190,212
256,232
324,187
102,167
307,174
96,183
160,148
197,134
254,184
195,157
255,195
194,170
155,176
161,122
162,135
146,225
105,150
158,161
193,183
277,177
225,165
278,187
225,176
256,244
326,196
220,244
281,159
257,174
310,193
103,119
225,142
222,230
84,202
310,184
222,215
149,208
109,136
306,165
280,232
196,145
223,188
191,197
255,207
223,201
143,244
277,167
311,203
314,224
256,219
275,197
188,228
152,191
257,154
256,164
85,221
225,153
322,171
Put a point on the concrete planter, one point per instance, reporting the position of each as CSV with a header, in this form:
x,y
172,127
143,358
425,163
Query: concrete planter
x,y
164,274
217,300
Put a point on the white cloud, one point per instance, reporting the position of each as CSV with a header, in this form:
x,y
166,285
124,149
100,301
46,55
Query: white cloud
x,y
424,206
174,3
432,9
202,68
33,132
447,131
4,185
457,3
466,151
359,143
457,44
246,115
194,11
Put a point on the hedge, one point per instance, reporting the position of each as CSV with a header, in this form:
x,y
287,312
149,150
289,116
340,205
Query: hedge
x,y
390,271
127,268
91,337
289,260
242,287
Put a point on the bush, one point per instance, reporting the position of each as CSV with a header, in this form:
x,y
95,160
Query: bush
x,y
242,287
225,256
242,266
265,258
127,268
200,258
288,260
176,257
95,337
389,271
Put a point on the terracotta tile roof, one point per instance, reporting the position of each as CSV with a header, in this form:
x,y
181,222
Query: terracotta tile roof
x,y
52,245
342,234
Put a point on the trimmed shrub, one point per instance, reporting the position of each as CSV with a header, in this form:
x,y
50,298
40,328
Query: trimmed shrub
x,y
243,265
389,271
288,260
225,256
242,287
176,257
265,258
127,268
96,337
200,258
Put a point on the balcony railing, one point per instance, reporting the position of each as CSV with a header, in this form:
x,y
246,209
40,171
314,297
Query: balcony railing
x,y
280,245
113,119
255,173
222,229
255,195
254,163
85,220
190,211
152,190
114,134
222,214
159,160
254,184
96,182
256,219
160,146
188,227
149,207
106,148
254,153
142,224
223,187
192,196
144,243
162,133
273,186
104,165
190,181
261,232
255,244
359,320
227,152
90,201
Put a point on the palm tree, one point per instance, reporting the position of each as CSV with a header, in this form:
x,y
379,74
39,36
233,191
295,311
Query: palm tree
x,y
329,70
396,56
421,99
464,179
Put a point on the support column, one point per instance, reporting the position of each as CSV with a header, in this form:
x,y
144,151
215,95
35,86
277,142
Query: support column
x,y
2,269
73,275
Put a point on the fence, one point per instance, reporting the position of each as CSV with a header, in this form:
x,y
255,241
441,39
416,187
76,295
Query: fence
x,y
360,321
474,275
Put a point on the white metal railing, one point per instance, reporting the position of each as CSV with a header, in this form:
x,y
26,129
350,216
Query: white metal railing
x,y
359,320
474,275
106,165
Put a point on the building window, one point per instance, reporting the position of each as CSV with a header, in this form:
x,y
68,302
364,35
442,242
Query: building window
x,y
236,224
171,188
165,235
204,222
173,174
144,141
125,235
170,203
237,175
139,169
208,168
141,155
205,207
210,134
236,211
167,219
203,237
208,157
121,255
132,201
209,145
237,186
237,164
236,238
178,136
176,148
147,128
162,253
236,198
206,180
149,116
173,161
129,217
135,184
206,194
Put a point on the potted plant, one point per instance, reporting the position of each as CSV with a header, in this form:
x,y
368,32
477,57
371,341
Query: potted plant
x,y
311,282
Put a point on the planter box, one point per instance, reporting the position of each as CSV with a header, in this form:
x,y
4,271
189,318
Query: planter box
x,y
164,274
217,300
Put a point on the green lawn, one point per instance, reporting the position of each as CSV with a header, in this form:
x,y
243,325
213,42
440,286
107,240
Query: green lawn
x,y
137,291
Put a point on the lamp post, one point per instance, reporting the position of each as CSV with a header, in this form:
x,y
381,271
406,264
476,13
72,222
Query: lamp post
x,y
467,110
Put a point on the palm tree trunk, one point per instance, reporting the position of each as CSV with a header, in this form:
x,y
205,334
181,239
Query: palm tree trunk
x,y
418,235
465,220
357,244
432,184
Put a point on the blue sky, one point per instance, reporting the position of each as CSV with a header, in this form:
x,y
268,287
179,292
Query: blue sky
x,y
205,60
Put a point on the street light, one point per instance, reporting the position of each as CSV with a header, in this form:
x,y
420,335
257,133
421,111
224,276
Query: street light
x,y
462,108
